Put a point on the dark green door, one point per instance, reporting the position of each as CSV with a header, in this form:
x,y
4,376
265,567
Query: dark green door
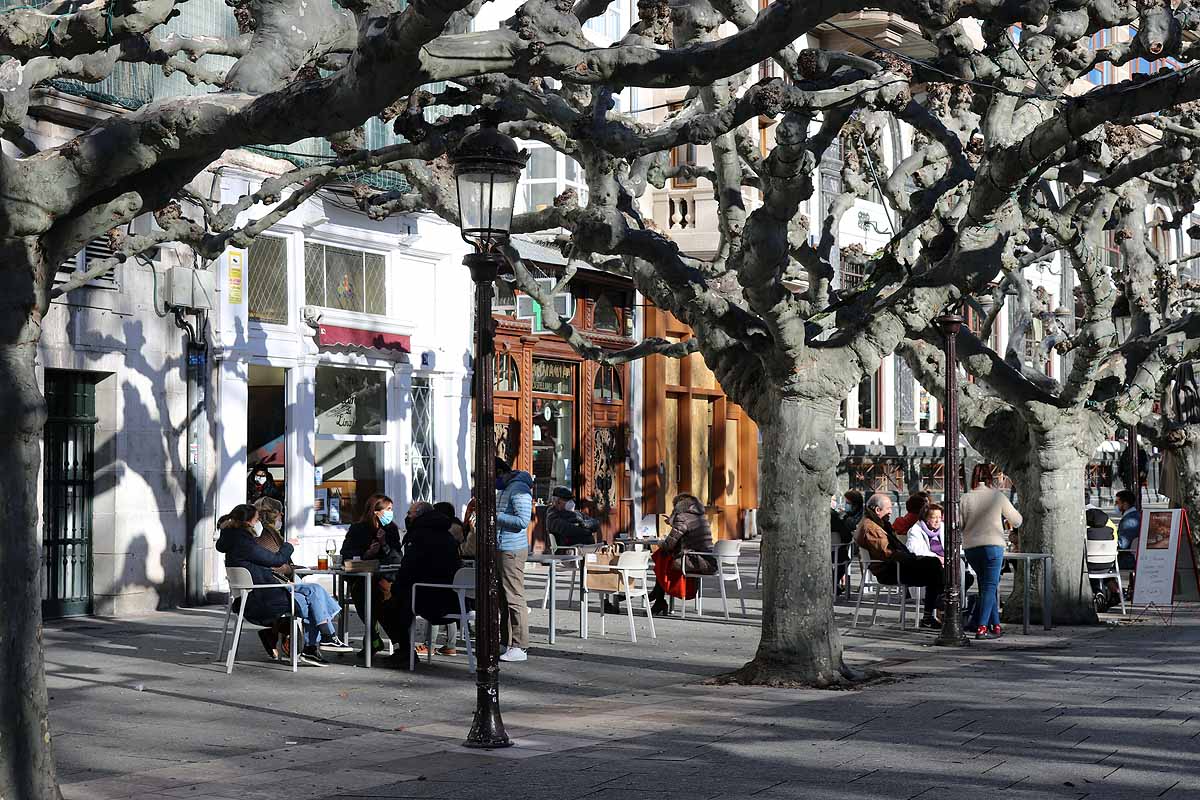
x,y
67,487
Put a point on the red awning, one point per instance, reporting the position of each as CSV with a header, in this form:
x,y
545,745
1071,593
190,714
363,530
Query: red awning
x,y
334,335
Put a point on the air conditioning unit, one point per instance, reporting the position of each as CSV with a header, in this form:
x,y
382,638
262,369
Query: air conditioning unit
x,y
190,288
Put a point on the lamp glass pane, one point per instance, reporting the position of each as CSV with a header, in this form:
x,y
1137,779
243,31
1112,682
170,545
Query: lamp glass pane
x,y
472,199
504,197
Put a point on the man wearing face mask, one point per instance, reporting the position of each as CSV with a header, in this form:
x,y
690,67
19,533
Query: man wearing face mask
x,y
568,526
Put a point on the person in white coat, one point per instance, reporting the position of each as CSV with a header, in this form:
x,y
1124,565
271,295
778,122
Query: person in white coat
x,y
925,537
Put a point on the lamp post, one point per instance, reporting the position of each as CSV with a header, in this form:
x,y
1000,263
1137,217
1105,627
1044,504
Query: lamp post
x,y
487,166
952,631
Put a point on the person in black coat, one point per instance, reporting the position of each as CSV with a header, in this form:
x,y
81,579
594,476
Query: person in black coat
x,y
430,556
241,530
374,536
568,526
260,484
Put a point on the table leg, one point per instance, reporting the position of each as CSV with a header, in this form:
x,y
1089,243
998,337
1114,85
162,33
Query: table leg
x,y
583,605
1025,629
1047,594
553,599
370,635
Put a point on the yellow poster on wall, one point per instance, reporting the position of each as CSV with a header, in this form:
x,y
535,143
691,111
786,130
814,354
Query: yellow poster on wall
x,y
237,262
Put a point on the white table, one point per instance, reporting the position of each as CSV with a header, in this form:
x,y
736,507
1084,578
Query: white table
x,y
368,618
552,561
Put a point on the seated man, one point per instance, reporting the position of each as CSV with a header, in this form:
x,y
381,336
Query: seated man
x,y
568,526
891,560
1129,530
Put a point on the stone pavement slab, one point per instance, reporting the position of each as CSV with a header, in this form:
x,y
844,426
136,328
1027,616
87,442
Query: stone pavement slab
x,y
139,709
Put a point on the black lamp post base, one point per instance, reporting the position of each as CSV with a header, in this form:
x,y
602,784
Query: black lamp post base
x,y
951,641
487,730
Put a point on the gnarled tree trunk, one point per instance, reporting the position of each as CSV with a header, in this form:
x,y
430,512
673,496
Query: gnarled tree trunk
x,y
1180,480
1050,495
26,756
800,643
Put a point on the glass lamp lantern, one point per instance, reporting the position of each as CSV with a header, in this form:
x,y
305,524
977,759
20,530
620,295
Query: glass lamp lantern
x,y
487,166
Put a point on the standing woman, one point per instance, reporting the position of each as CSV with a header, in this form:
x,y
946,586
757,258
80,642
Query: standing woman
x,y
984,511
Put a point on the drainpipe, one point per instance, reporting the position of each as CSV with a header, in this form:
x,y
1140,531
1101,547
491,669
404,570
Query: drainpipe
x,y
197,464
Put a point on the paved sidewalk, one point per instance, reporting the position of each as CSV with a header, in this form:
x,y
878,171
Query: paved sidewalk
x,y
140,710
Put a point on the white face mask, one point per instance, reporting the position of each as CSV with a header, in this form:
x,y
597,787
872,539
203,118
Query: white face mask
x,y
260,479
257,528
570,506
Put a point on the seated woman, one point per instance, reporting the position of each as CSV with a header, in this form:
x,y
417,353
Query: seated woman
x,y
891,561
925,535
689,532
238,540
374,536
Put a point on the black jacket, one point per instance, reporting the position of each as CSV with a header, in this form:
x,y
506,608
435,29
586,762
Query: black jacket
x,y
690,531
430,556
571,527
361,535
263,606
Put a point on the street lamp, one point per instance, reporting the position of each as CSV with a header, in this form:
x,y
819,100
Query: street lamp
x,y
487,166
952,632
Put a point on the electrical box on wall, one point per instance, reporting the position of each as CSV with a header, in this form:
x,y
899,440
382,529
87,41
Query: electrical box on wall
x,y
190,288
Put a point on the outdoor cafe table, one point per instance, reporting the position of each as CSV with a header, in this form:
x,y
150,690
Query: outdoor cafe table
x,y
553,562
1047,597
339,577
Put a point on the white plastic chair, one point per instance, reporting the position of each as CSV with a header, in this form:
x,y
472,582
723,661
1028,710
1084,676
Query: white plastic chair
x,y
870,584
632,566
726,553
1100,562
464,587
241,584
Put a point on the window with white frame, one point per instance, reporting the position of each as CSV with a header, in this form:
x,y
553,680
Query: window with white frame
x,y
423,451
548,174
266,280
869,402
351,438
610,24
96,250
349,280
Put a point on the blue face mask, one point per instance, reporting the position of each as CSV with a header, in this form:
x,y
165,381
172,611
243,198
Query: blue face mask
x,y
386,517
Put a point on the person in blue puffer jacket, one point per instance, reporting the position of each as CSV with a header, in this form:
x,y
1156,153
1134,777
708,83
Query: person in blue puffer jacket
x,y
514,508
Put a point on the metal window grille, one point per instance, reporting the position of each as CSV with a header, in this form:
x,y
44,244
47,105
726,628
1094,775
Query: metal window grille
x,y
96,250
350,280
424,451
266,284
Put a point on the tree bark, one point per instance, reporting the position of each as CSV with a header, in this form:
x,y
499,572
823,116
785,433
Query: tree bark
x,y
1051,499
800,644
26,755
1181,473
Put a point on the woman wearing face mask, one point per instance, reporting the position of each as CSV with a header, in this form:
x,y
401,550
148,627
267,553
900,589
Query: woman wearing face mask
x,y
260,484
240,532
374,536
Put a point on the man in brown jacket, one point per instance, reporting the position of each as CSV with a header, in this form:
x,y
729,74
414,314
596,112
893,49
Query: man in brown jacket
x,y
892,563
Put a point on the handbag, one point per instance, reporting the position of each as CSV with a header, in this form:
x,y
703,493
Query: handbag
x,y
672,580
600,575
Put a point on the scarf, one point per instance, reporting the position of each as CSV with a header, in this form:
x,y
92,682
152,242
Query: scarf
x,y
934,536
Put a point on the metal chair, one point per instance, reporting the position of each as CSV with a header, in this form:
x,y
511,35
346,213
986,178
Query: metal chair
x,y
463,586
241,584
632,566
726,553
869,583
555,549
1100,561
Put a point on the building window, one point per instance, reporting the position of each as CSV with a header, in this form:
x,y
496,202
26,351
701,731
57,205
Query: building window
x,y
423,449
1100,72
266,280
351,439
1112,251
608,385
682,155
508,376
349,280
85,259
605,318
504,301
869,402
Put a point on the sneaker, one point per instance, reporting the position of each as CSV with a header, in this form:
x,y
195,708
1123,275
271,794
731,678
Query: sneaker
x,y
996,631
1100,602
929,622
336,645
421,650
984,633
311,655
514,654
447,651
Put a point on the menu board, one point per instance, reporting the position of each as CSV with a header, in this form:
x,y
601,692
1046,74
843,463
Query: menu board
x,y
1166,563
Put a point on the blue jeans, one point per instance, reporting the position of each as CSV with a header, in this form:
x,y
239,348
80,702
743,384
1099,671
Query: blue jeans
x,y
316,607
987,562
